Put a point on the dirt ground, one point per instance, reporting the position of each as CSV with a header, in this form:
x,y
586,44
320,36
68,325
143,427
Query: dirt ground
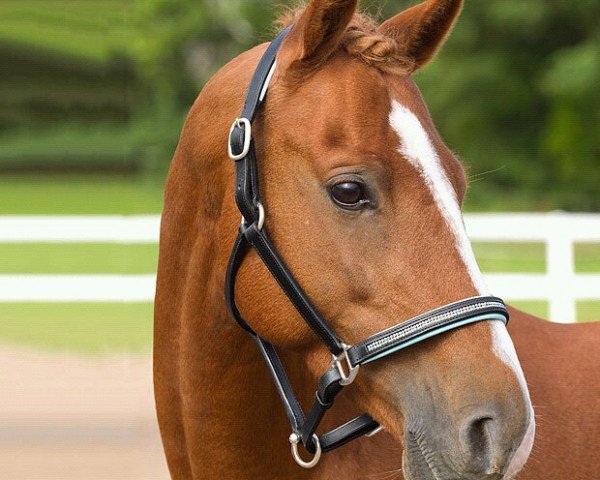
x,y
67,417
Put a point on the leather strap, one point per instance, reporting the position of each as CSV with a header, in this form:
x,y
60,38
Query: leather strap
x,y
356,428
259,240
238,253
290,402
427,325
248,201
246,195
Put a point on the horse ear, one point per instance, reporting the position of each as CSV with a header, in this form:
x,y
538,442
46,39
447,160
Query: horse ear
x,y
318,30
421,30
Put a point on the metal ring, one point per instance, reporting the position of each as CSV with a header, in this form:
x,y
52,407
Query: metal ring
x,y
295,440
261,217
247,126
347,379
379,429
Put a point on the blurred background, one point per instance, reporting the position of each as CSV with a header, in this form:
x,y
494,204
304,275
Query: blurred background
x,y
93,95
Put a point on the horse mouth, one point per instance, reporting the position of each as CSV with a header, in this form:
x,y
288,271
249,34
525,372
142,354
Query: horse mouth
x,y
421,462
419,459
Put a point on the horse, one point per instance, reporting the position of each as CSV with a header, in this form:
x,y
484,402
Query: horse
x,y
362,199
562,366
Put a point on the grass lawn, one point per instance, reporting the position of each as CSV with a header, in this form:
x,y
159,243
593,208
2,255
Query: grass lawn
x,y
588,311
77,258
531,257
83,195
80,328
511,257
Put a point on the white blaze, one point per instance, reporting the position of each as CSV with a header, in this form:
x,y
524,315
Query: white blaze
x,y
419,151
416,147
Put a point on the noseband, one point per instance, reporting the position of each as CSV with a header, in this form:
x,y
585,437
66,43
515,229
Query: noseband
x,y
346,360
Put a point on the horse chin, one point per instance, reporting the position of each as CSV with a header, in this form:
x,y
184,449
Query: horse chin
x,y
415,466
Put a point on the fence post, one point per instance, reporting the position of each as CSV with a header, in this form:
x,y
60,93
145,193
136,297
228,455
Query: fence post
x,y
560,264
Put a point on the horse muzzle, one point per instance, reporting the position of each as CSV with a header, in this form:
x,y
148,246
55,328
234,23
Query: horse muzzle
x,y
480,446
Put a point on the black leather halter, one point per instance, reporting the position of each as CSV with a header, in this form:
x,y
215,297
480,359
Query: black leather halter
x,y
346,359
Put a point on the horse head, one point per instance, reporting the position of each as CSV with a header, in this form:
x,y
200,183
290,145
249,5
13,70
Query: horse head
x,y
363,201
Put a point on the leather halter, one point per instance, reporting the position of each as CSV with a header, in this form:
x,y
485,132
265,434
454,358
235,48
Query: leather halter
x,y
346,359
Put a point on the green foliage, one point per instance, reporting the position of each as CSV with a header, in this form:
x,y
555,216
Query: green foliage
x,y
514,92
86,29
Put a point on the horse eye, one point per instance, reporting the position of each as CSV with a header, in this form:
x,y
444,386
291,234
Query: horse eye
x,y
349,195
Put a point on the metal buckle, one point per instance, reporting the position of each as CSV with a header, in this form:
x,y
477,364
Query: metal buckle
x,y
261,218
247,126
295,440
347,379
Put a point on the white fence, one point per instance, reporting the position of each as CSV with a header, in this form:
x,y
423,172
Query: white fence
x,y
559,231
560,285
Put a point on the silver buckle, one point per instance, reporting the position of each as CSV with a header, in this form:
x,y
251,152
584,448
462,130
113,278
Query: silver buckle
x,y
295,440
247,126
347,379
261,218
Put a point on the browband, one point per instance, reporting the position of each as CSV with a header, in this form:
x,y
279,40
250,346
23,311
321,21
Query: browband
x,y
346,359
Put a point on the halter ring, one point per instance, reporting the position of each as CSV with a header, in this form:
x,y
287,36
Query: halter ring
x,y
379,429
347,379
295,440
247,126
261,217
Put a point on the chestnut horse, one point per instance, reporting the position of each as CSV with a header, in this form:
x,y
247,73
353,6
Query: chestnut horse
x,y
363,203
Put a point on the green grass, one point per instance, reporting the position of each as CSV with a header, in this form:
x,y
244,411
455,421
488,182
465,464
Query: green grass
x,y
77,258
588,311
511,257
539,309
78,328
78,194
587,257
531,257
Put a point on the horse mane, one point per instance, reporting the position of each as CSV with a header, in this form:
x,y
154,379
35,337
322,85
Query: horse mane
x,y
363,40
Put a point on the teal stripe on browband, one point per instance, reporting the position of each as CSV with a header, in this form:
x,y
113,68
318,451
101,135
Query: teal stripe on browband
x,y
438,331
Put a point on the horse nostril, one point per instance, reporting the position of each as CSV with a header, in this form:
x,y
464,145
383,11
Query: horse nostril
x,y
479,438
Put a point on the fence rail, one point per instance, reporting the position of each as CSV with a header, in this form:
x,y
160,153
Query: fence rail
x,y
561,286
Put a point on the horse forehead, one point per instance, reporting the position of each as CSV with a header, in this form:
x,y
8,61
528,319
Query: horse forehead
x,y
342,89
346,106
353,98
342,107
